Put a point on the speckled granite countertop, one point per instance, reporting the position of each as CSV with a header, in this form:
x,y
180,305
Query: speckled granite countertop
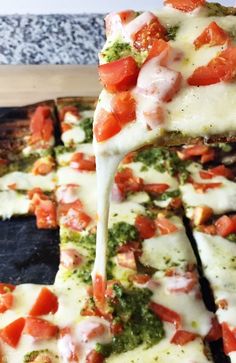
x,y
51,39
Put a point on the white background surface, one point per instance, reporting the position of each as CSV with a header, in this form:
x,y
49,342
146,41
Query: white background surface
x,y
78,6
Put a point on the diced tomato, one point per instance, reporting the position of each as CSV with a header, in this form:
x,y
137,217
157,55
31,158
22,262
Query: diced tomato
x,y
46,303
222,304
141,279
12,186
4,288
94,357
220,69
96,331
206,153
144,38
127,182
155,188
135,247
212,35
43,166
160,47
209,156
203,187
6,301
220,170
188,282
106,125
127,259
63,208
46,215
165,226
12,332
40,329
82,163
215,332
204,174
225,225
129,158
70,258
202,214
70,109
166,314
41,125
229,339
183,337
116,328
176,203
127,15
185,5
99,289
120,75
65,127
145,226
77,220
38,194
124,107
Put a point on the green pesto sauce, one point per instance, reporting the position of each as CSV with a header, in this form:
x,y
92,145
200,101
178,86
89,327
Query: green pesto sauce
x,y
163,160
172,32
167,195
87,126
116,51
215,9
224,146
25,165
119,50
61,149
231,237
84,271
119,234
30,357
141,325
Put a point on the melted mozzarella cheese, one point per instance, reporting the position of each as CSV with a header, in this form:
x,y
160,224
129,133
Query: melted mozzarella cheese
x,y
196,111
221,199
13,203
28,181
124,212
218,257
73,136
167,251
193,313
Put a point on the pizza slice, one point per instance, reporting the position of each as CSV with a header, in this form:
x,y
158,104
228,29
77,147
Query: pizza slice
x,y
171,67
76,119
210,181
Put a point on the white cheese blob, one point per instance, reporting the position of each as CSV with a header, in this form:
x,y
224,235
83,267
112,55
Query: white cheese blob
x,y
13,203
28,181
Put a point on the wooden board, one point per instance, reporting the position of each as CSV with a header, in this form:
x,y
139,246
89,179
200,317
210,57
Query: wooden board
x,y
21,85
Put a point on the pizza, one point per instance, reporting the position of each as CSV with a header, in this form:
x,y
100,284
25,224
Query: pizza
x,y
26,156
132,222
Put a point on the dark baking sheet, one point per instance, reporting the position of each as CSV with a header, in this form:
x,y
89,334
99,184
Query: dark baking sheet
x,y
27,254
